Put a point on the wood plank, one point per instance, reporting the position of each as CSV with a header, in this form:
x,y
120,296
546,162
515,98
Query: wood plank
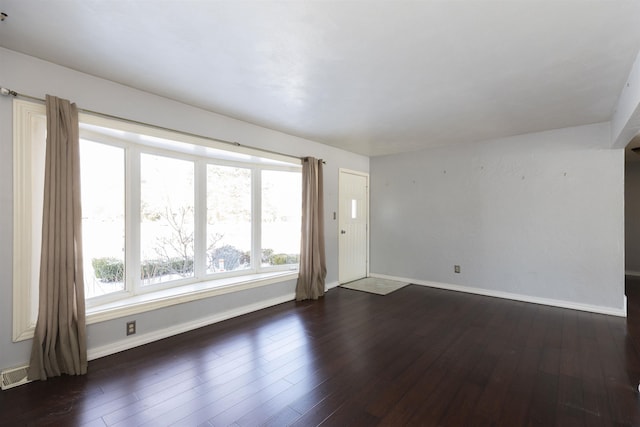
x,y
418,356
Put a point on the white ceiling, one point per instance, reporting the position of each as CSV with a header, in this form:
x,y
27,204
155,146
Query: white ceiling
x,y
372,77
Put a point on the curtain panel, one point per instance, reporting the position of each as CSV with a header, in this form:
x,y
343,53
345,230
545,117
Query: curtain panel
x,y
59,343
313,268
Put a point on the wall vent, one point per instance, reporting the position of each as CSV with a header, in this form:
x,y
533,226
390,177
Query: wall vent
x,y
14,377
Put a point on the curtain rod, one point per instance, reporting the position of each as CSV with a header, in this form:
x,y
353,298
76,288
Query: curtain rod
x,y
8,92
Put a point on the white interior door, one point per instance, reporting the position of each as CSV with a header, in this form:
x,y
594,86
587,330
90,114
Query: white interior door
x,y
353,249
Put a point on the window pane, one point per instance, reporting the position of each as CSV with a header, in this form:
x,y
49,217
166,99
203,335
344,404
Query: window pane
x,y
228,218
166,219
102,185
281,216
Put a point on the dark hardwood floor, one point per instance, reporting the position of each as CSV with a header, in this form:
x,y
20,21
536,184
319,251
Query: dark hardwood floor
x,y
418,356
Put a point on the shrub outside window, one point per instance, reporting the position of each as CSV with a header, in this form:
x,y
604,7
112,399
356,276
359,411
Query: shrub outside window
x,y
103,218
228,219
281,215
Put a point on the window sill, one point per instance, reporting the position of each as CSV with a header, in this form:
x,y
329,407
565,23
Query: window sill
x,y
178,295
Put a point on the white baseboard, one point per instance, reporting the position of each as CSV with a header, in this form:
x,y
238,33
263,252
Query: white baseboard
x,y
394,278
622,312
329,286
135,341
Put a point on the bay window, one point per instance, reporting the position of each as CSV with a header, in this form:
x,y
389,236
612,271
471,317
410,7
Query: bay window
x,y
162,212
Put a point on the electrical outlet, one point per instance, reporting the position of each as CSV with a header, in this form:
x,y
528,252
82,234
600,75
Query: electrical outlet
x,y
131,327
456,269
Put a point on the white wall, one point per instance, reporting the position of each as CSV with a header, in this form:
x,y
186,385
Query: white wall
x,y
538,217
625,121
34,77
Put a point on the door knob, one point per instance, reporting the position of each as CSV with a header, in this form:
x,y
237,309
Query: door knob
x,y
343,232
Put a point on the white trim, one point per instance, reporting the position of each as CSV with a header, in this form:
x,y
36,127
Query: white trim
x,y
256,216
621,312
200,216
354,172
25,280
135,341
329,286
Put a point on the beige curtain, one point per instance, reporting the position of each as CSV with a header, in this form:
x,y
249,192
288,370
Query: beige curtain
x,y
59,343
313,268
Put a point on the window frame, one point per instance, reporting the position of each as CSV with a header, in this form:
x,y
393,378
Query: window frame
x,y
135,297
